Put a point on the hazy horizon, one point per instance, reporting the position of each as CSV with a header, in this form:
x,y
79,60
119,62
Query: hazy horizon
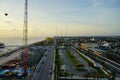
x,y
61,17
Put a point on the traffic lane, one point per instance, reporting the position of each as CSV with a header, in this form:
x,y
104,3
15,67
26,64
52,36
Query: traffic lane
x,y
44,71
37,71
47,72
51,64
50,72
51,67
39,68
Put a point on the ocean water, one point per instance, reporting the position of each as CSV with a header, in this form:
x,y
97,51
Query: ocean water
x,y
19,41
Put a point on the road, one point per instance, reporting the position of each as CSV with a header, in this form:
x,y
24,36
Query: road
x,y
9,57
44,68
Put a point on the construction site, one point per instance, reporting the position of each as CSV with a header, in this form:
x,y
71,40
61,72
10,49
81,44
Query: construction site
x,y
18,66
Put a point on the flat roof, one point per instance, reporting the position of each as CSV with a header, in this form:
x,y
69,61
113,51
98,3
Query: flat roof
x,y
95,49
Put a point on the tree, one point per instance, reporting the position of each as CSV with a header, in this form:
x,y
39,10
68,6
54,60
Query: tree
x,y
49,40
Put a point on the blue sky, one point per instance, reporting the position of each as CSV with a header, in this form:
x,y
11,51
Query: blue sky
x,y
82,17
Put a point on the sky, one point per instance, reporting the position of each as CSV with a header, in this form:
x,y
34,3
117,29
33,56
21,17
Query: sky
x,y
61,17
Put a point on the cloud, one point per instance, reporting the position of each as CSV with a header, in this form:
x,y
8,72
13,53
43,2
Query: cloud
x,y
96,2
8,22
15,30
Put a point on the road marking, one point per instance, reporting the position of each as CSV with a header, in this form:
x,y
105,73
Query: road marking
x,y
43,77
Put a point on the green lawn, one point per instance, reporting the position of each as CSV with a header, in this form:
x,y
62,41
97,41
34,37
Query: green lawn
x,y
83,57
77,65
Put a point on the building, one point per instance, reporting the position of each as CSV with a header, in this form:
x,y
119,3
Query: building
x,y
84,46
2,45
97,51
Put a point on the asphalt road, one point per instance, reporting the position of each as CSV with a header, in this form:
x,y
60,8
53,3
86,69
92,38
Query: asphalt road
x,y
44,68
12,56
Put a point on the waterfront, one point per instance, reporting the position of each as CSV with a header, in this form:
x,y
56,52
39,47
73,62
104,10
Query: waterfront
x,y
18,41
12,43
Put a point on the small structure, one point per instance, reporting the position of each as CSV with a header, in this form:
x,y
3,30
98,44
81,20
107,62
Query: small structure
x,y
63,67
97,51
84,46
2,45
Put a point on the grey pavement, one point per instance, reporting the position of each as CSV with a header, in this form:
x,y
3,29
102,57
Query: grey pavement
x,y
42,71
10,57
68,64
90,69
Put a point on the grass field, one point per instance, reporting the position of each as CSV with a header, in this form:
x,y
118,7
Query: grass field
x,y
76,64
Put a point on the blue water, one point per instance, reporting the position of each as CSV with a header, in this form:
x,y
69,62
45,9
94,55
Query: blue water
x,y
18,41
